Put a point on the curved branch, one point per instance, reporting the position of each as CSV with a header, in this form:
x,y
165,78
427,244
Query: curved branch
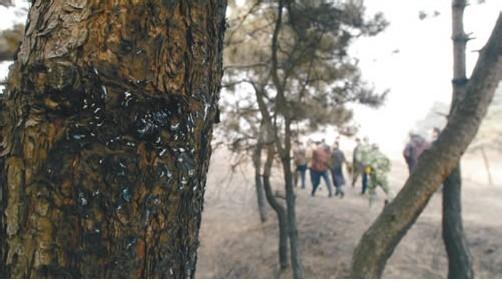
x,y
380,240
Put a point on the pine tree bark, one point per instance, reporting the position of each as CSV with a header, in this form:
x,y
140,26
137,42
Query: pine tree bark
x,y
459,256
106,129
379,241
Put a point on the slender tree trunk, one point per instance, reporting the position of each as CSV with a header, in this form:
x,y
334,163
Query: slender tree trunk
x,y
106,129
379,241
278,208
296,261
487,166
260,195
459,257
284,149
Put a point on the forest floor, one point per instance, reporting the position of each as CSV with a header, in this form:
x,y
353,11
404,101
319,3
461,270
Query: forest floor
x,y
234,244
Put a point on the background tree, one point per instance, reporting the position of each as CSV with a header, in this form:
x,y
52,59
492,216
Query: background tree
x,y
303,75
241,131
9,42
106,126
459,256
379,241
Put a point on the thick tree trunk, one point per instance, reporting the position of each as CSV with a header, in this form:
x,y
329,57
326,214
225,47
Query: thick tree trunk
x,y
380,240
106,130
278,208
459,257
260,194
296,262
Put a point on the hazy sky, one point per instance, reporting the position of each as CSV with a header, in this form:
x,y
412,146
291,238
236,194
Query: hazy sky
x,y
421,72
412,58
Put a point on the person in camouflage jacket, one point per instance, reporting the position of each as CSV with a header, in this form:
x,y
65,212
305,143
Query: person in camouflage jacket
x,y
377,168
360,159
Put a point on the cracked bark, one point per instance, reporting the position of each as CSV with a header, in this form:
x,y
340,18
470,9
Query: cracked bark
x,y
106,128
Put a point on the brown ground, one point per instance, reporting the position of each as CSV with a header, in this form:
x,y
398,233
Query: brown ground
x,y
234,244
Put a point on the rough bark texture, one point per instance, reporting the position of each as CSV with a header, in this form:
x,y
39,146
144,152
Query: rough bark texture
x,y
105,138
278,208
260,194
459,257
379,241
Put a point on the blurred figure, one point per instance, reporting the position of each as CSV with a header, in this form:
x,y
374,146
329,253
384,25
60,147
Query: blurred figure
x,y
319,168
337,161
310,151
435,134
326,146
415,147
360,156
357,167
377,168
300,159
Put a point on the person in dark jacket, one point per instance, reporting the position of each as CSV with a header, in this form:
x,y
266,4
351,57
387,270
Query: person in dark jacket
x,y
337,161
415,147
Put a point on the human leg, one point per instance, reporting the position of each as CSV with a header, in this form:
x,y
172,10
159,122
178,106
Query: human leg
x,y
315,178
325,176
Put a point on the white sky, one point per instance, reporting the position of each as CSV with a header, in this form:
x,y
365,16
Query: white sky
x,y
9,17
417,76
421,72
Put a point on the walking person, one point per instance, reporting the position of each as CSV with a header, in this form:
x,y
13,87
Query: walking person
x,y
300,159
357,166
337,161
378,167
362,159
319,168
415,147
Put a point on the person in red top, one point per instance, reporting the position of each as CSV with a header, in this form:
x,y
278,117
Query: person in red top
x,y
320,167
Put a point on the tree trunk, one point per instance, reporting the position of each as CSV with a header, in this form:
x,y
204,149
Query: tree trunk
x,y
260,195
278,208
379,241
284,150
459,257
106,129
296,261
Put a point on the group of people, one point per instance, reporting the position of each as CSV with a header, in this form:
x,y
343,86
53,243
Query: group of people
x,y
368,163
323,161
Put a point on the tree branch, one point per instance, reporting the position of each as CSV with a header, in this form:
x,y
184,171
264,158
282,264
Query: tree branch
x,y
379,241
